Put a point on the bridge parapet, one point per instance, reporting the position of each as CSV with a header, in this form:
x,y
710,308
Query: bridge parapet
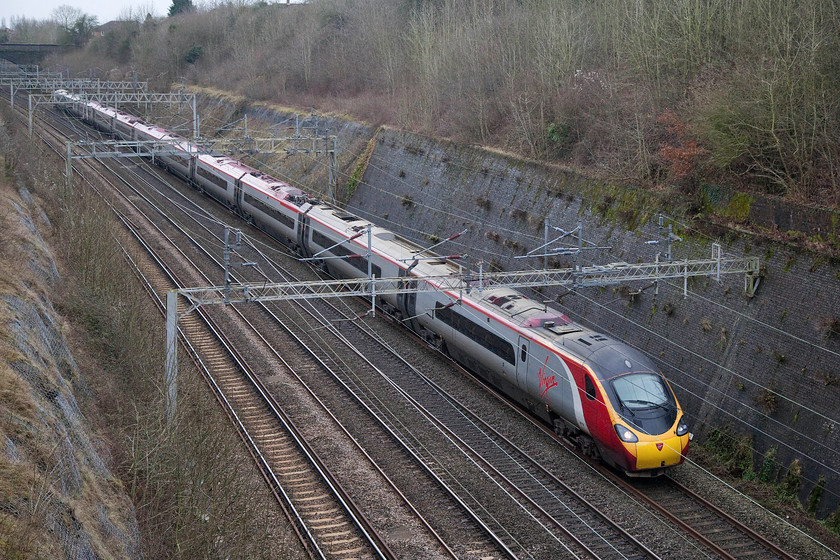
x,y
29,53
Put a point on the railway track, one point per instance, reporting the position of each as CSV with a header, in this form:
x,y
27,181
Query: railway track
x,y
727,537
518,481
316,498
311,495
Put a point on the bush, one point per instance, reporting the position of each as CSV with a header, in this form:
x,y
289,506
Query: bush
x,y
767,471
193,54
833,522
586,95
815,496
733,452
792,482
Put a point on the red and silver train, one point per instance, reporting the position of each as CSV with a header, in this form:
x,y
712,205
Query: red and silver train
x,y
600,393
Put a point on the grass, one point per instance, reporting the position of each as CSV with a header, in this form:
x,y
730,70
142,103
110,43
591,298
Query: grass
x,y
15,396
22,535
16,399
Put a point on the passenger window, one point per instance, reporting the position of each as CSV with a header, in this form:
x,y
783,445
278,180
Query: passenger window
x,y
524,354
590,388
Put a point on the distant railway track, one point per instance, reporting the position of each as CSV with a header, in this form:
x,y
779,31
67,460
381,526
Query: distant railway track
x,y
534,490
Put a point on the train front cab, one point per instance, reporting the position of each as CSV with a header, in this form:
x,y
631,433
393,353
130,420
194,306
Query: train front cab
x,y
648,422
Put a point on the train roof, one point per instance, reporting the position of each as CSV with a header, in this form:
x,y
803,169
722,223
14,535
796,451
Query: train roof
x,y
384,242
607,356
270,185
133,121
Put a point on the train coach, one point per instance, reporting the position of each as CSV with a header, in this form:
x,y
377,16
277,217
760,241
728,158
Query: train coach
x,y
603,395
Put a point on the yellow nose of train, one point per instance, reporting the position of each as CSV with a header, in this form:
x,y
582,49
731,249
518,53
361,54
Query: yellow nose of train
x,y
656,453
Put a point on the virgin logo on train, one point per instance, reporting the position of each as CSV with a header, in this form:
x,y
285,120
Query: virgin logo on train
x,y
546,381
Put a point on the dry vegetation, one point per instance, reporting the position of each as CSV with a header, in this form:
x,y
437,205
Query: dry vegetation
x,y
654,91
24,484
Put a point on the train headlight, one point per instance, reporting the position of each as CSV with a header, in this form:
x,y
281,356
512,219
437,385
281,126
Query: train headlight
x,y
682,427
625,435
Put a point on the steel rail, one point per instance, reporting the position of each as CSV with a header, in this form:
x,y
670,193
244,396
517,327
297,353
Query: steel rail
x,y
737,525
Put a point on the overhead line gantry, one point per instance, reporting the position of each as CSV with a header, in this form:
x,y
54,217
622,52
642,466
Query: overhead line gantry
x,y
115,99
30,83
460,283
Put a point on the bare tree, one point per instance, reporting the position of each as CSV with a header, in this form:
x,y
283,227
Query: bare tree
x,y
65,16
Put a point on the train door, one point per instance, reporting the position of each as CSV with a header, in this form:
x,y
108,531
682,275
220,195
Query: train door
x,y
523,359
192,168
593,404
237,194
302,234
407,301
